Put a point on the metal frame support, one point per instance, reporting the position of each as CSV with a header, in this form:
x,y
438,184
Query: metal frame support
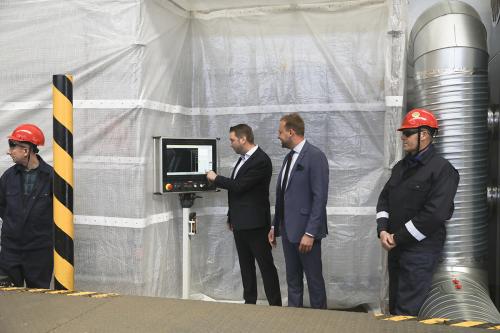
x,y
187,201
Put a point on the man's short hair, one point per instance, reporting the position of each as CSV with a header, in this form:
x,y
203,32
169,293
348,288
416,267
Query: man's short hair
x,y
432,131
294,121
242,130
34,148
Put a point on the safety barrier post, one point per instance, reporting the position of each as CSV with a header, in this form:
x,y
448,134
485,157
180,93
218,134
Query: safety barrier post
x,y
62,94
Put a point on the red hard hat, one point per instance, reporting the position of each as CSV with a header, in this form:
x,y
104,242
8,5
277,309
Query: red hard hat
x,y
417,118
28,133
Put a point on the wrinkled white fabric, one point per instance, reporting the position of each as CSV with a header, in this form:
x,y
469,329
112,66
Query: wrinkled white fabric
x,y
146,68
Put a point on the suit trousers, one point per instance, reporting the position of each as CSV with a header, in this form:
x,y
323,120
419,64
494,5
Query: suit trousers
x,y
33,266
252,245
296,265
410,279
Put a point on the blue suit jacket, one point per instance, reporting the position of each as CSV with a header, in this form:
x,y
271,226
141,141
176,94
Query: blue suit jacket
x,y
305,196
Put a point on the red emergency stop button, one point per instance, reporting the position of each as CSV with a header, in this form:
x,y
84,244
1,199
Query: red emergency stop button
x,y
169,187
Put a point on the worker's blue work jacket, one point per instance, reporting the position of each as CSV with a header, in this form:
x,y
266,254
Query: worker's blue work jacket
x,y
27,219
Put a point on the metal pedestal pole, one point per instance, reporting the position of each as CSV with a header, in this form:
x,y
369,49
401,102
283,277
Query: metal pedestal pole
x,y
187,201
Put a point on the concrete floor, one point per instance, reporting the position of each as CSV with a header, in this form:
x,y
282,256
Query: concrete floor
x,y
31,311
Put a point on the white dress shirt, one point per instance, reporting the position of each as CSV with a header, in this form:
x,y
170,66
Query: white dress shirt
x,y
244,158
297,149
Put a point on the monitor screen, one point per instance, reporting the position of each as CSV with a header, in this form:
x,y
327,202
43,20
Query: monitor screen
x,y
188,159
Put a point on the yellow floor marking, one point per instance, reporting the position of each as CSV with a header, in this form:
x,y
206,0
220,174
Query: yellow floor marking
x,y
82,293
468,323
433,321
399,318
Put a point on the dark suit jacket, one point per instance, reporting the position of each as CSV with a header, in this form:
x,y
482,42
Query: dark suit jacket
x,y
248,193
305,196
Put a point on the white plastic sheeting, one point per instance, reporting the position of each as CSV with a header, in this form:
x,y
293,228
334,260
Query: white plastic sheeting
x,y
146,68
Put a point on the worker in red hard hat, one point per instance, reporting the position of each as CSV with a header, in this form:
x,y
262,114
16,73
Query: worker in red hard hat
x,y
412,210
418,121
26,209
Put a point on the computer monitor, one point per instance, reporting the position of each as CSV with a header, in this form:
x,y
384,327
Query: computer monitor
x,y
182,164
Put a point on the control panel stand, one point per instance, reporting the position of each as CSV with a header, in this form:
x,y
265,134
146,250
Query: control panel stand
x,y
187,201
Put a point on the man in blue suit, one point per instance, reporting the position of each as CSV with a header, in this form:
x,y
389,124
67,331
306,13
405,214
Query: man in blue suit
x,y
300,214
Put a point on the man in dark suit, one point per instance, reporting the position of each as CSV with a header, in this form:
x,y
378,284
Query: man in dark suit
x,y
249,215
300,216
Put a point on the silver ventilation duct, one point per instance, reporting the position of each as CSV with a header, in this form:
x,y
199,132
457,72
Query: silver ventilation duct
x,y
449,63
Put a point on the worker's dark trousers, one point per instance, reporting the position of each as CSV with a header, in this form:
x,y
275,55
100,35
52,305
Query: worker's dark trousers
x,y
31,266
410,279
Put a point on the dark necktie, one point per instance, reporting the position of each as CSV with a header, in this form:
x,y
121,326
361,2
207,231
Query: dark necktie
x,y
236,166
284,183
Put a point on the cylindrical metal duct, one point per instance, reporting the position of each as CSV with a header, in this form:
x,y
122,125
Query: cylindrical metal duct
x,y
449,57
460,296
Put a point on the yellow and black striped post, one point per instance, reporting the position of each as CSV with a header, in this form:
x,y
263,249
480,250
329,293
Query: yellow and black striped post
x,y
62,95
